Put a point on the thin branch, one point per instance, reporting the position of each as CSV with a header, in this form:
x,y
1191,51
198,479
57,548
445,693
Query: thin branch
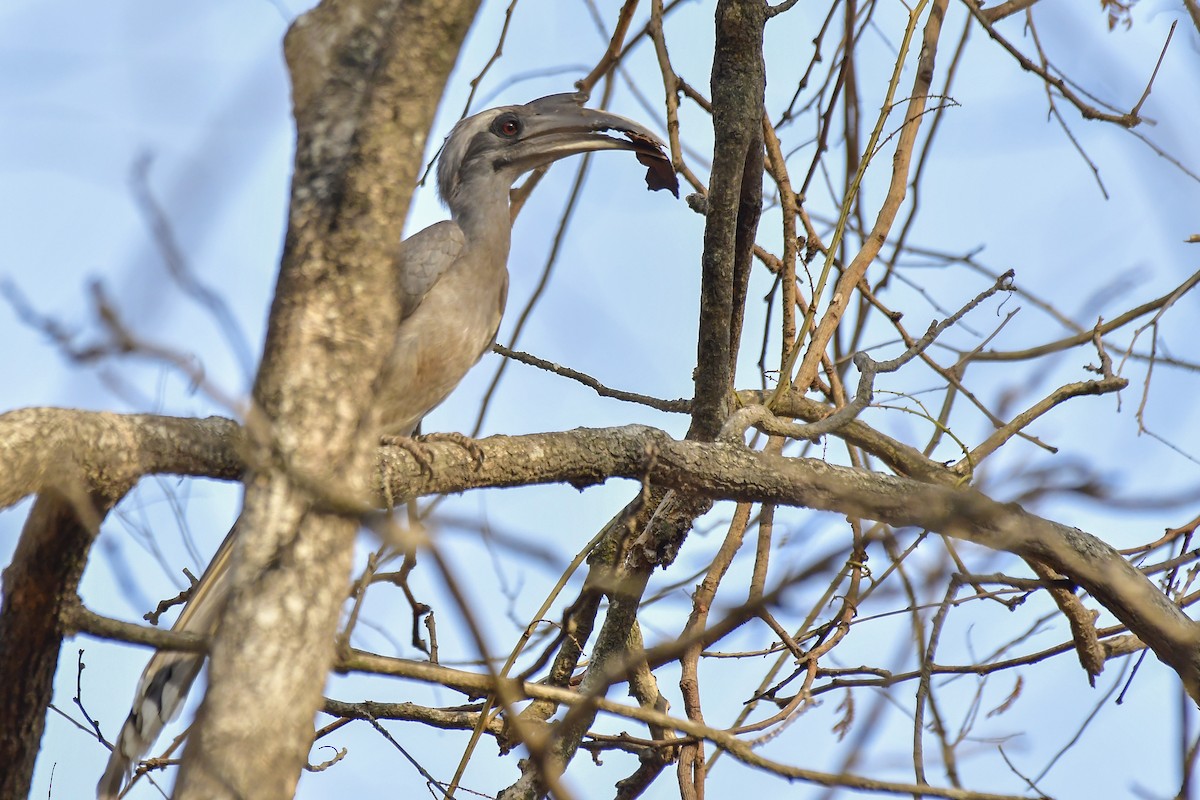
x,y
682,406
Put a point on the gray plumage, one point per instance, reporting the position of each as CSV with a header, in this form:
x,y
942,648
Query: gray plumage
x,y
453,280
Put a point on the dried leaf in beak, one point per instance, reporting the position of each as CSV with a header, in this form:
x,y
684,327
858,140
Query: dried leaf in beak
x,y
659,172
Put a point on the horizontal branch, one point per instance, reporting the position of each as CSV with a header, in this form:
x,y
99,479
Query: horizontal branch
x,y
445,718
720,471
480,685
733,472
38,444
77,618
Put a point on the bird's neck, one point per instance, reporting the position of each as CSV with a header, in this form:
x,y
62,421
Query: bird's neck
x,y
482,213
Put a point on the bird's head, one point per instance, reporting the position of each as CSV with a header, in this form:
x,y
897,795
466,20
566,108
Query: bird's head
x,y
500,144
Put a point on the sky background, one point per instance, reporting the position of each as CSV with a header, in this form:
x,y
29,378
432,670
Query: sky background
x,y
199,93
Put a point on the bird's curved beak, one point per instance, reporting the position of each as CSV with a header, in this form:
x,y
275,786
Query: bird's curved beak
x,y
559,125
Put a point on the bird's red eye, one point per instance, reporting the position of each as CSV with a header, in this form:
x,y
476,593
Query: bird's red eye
x,y
507,127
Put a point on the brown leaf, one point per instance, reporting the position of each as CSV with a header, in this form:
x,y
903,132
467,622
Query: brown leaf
x,y
659,172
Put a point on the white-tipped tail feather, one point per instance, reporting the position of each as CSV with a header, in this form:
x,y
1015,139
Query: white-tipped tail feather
x,y
167,678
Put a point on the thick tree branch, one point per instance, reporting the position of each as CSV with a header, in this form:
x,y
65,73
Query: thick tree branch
x,y
725,471
367,77
39,446
734,204
649,531
732,472
80,465
40,581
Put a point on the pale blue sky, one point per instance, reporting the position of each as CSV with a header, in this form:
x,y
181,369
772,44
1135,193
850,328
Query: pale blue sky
x,y
86,88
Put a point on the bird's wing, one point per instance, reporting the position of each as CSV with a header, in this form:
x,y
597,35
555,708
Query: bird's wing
x,y
165,681
423,258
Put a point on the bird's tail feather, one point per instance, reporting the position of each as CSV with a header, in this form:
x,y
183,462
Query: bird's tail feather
x,y
165,681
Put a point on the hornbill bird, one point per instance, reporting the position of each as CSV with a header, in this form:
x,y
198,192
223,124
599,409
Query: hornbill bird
x,y
453,280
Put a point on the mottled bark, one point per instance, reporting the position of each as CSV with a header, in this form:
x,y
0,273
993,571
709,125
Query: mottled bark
x,y
42,578
719,471
79,464
367,77
733,208
650,530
